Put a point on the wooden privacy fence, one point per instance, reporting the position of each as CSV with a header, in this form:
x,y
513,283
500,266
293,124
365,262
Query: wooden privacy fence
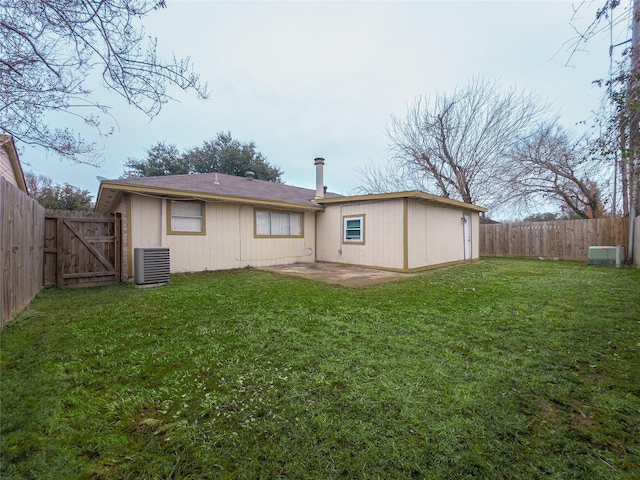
x,y
81,249
21,241
563,239
636,242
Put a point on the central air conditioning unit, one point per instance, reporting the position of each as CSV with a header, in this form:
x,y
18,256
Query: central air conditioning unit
x,y
606,255
151,265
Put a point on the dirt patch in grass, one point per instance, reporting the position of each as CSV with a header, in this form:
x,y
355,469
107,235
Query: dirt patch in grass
x,y
576,414
548,412
582,415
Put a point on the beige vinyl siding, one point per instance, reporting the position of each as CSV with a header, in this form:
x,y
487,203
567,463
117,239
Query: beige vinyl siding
x,y
229,241
218,250
6,170
475,235
383,234
436,234
146,222
399,234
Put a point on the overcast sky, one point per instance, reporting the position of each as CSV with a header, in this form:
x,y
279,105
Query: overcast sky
x,y
309,79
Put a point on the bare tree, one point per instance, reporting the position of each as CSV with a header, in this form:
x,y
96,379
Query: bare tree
x,y
455,144
547,166
48,50
611,15
607,19
390,177
610,145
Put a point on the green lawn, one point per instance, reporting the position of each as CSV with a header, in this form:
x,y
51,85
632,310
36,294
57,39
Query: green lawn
x,y
508,369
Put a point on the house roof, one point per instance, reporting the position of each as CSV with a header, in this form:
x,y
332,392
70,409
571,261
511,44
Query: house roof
x,y
7,144
231,188
212,187
414,194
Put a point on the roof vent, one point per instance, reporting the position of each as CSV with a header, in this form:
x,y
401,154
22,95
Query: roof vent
x,y
249,175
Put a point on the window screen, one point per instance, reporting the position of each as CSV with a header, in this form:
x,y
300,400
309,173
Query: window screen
x,y
353,229
278,224
186,216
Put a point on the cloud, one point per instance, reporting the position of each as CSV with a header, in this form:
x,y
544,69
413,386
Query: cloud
x,y
307,79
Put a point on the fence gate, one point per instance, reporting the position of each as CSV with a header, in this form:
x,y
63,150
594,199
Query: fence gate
x,y
81,249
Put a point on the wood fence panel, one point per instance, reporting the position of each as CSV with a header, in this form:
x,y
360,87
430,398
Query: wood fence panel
x,y
50,248
636,241
81,248
21,249
563,239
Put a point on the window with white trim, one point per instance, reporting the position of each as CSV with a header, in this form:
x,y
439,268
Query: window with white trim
x,y
186,217
353,231
278,224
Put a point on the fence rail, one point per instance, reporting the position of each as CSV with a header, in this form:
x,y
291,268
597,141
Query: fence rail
x,y
21,249
562,239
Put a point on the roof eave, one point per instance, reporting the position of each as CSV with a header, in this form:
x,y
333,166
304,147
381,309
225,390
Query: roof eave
x,y
416,194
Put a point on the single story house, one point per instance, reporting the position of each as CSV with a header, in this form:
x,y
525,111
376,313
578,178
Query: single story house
x,y
213,221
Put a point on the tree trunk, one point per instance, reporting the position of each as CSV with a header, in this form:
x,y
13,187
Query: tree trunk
x,y
633,105
624,171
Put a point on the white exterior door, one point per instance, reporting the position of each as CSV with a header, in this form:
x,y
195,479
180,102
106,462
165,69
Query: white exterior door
x,y
467,237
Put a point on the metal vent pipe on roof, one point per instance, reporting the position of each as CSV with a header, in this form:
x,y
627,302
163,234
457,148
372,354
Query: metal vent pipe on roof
x,y
249,175
319,163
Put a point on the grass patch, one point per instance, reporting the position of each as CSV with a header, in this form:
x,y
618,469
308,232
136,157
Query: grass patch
x,y
502,369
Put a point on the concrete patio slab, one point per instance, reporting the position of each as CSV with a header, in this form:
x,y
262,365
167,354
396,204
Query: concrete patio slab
x,y
344,275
